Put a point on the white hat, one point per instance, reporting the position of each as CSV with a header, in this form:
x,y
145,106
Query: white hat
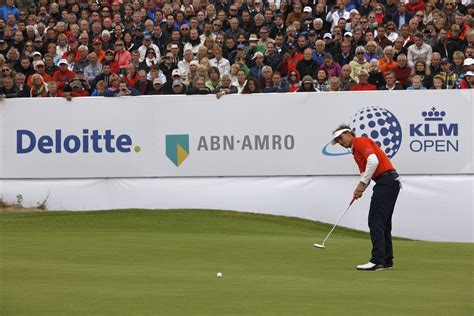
x,y
338,133
63,61
174,46
38,62
257,54
157,80
470,73
36,54
468,61
348,34
327,35
176,72
307,9
253,37
194,62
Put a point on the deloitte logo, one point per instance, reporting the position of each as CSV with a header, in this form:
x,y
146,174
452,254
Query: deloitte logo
x,y
177,148
90,141
379,124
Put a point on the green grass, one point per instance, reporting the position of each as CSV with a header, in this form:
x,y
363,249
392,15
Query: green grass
x,y
165,263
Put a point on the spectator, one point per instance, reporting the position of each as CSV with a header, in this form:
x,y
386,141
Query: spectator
x,y
225,87
131,75
468,81
8,90
178,88
307,85
214,79
122,56
63,75
9,9
386,62
363,82
100,88
293,80
416,83
38,87
375,75
40,70
438,82
77,90
346,80
322,80
278,84
198,87
447,75
390,82
157,88
358,63
334,84
23,90
220,62
419,50
93,69
332,68
241,81
251,86
143,85
146,46
423,71
402,72
307,66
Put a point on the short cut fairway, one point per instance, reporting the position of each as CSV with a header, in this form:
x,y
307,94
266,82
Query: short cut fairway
x,y
165,263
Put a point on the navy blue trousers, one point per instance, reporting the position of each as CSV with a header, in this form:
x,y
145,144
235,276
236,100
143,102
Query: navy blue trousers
x,y
382,204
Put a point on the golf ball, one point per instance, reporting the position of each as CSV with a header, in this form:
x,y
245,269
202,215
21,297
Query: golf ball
x,y
219,275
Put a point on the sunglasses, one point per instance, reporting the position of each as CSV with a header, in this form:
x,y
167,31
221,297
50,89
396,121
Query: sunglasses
x,y
360,53
5,70
118,44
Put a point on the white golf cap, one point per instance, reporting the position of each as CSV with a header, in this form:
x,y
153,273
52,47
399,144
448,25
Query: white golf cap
x,y
468,61
307,9
338,133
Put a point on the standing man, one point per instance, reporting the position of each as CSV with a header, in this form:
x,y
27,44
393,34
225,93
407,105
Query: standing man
x,y
374,164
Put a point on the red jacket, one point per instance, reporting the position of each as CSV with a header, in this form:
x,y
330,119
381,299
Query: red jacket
x,y
290,63
123,58
63,77
363,87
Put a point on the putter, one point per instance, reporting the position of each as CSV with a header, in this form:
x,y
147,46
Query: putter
x,y
322,246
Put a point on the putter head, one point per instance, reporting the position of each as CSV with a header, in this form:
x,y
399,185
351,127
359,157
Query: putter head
x,y
319,246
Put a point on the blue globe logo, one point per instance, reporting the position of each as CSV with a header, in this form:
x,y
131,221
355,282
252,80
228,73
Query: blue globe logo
x,y
380,125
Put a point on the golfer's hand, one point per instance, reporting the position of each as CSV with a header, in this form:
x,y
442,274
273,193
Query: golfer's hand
x,y
359,190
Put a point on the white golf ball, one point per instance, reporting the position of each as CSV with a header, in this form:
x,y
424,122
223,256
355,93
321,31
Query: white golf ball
x,y
219,275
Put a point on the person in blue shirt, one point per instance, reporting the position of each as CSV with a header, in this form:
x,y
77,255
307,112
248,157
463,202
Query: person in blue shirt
x,y
416,84
9,9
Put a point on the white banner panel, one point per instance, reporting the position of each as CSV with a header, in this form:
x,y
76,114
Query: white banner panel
x,y
427,207
427,132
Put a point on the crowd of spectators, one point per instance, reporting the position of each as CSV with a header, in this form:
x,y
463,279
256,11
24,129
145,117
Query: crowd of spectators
x,y
76,48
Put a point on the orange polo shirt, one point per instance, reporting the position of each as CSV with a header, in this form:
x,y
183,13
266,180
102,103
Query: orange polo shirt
x,y
362,148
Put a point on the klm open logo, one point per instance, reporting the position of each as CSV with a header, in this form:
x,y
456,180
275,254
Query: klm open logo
x,y
379,124
177,148
434,134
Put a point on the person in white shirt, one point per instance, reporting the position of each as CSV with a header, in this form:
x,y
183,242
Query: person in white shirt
x,y
183,65
147,43
241,81
419,50
337,11
219,61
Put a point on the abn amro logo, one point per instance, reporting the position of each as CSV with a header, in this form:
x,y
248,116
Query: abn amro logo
x,y
177,148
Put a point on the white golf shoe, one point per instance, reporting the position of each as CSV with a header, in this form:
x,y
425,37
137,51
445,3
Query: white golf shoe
x,y
370,266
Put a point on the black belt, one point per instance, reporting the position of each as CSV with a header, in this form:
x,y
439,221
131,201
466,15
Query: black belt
x,y
386,173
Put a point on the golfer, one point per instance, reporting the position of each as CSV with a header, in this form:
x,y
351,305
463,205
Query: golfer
x,y
374,164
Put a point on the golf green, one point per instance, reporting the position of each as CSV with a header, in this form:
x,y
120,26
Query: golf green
x,y
137,262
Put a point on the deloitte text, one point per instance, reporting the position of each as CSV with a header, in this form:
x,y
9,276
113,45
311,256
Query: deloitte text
x,y
89,142
246,142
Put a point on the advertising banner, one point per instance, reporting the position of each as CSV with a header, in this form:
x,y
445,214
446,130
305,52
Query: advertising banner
x,y
423,132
